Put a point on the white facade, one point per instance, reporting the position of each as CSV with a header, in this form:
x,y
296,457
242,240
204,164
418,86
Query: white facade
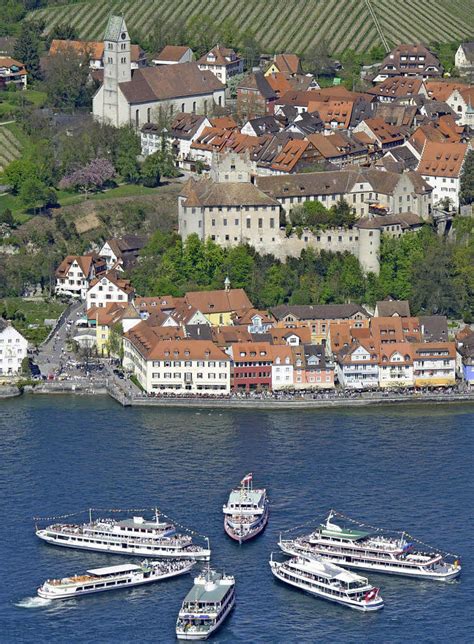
x,y
223,72
104,292
108,254
178,376
461,60
75,283
282,374
463,109
396,373
151,142
13,348
445,187
360,372
434,371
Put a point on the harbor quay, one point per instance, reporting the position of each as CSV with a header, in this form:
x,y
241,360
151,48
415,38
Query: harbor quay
x,y
254,401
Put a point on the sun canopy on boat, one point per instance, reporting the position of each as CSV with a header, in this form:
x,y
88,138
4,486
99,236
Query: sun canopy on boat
x,y
345,533
112,570
244,497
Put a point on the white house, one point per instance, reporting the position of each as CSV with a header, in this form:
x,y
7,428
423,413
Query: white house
x,y
282,367
396,365
180,367
107,288
12,72
461,101
357,366
434,364
13,348
222,62
133,98
75,273
173,55
185,129
464,57
441,166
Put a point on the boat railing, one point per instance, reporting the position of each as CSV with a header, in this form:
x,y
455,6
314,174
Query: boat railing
x,y
178,540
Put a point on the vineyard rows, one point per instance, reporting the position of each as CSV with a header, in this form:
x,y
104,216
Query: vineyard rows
x,y
10,148
284,25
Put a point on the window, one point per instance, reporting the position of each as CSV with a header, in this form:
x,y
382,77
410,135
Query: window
x,y
272,222
224,222
236,221
248,222
148,115
137,118
183,107
260,222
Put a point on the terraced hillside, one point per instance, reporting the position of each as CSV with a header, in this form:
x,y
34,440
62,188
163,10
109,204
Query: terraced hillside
x,y
292,25
10,147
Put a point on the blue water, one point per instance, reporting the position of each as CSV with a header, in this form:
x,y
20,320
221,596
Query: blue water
x,y
408,468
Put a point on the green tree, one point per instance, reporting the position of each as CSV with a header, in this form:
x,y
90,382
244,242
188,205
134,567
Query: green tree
x,y
67,80
127,151
151,170
317,61
6,218
467,180
33,193
27,48
17,172
250,50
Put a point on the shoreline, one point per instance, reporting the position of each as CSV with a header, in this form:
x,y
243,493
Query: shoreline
x,y
241,403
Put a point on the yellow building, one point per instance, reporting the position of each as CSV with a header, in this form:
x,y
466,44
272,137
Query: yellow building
x,y
116,317
219,307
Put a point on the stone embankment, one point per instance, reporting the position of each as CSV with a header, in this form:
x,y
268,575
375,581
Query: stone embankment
x,y
297,403
8,391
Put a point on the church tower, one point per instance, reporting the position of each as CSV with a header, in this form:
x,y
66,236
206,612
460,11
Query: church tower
x,y
117,66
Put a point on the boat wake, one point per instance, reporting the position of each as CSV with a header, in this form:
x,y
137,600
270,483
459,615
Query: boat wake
x,y
33,602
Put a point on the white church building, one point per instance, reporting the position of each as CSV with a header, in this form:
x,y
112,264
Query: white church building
x,y
134,96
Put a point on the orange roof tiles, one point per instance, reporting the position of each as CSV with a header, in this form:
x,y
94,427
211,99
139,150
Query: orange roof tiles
x,y
95,49
442,159
221,301
442,90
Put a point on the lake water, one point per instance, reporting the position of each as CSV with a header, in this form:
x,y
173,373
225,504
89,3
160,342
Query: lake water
x,y
407,467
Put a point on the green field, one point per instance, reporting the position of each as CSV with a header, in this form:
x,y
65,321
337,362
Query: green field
x,y
282,25
24,313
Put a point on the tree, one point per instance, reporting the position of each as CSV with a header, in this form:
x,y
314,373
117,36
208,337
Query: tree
x,y
17,172
115,341
6,218
27,48
151,170
33,193
317,60
250,50
467,180
63,31
90,177
127,151
67,79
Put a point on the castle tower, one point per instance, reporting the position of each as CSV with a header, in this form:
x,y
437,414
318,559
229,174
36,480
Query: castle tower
x,y
117,66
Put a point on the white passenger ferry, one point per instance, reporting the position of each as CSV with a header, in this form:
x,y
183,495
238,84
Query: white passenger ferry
x,y
206,606
246,511
318,577
135,536
371,551
98,580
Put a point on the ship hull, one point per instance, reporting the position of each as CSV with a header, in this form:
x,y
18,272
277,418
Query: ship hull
x,y
413,572
72,593
183,635
368,607
129,551
251,534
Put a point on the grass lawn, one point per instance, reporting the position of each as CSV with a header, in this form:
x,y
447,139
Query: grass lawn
x,y
69,199
28,312
11,102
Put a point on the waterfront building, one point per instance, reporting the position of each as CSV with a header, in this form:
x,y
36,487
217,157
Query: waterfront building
x,y
396,365
252,366
109,287
282,368
76,272
434,364
312,369
357,365
183,366
13,349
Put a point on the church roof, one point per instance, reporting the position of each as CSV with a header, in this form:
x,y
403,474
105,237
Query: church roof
x,y
167,82
114,28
